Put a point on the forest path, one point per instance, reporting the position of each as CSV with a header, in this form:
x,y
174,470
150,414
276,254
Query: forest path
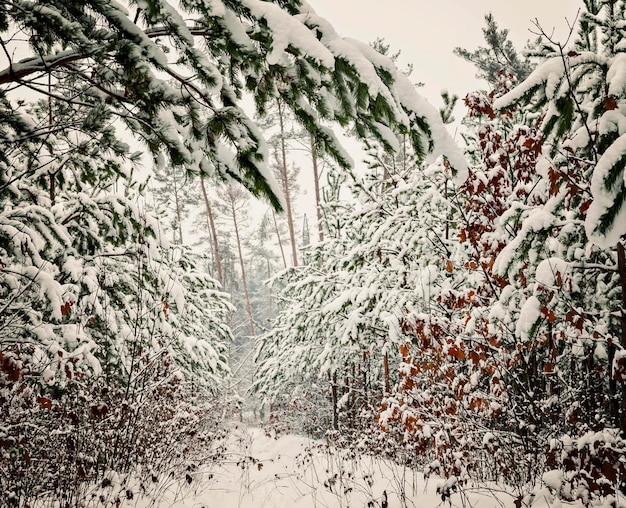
x,y
260,471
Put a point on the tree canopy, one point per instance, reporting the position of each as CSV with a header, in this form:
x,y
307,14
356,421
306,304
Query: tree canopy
x,y
176,74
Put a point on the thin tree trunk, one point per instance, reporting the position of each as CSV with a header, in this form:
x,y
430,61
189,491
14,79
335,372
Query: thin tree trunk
x,y
386,374
589,387
614,402
335,401
178,214
318,199
445,191
51,175
52,190
280,242
364,371
243,270
269,287
216,252
292,234
404,154
353,397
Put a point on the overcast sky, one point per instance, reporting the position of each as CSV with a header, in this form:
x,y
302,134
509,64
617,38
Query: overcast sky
x,y
427,31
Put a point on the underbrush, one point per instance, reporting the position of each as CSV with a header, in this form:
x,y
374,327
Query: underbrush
x,y
98,442
588,471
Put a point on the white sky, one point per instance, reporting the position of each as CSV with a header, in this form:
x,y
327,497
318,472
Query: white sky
x,y
427,31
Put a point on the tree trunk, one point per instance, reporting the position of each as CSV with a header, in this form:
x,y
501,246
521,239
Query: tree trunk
x,y
52,190
318,199
292,234
364,371
269,287
353,400
178,214
280,242
51,175
243,270
386,374
335,401
216,252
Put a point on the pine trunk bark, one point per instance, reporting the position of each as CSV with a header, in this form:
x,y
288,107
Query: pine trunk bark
x,y
216,251
280,241
318,198
244,279
283,148
178,213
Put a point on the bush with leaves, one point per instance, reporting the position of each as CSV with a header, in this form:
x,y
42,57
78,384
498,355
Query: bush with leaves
x,y
96,443
580,277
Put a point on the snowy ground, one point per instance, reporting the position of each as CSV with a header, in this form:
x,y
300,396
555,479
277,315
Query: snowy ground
x,y
292,471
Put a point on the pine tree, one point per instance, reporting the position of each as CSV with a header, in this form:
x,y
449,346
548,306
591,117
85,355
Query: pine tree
x,y
176,77
93,308
174,194
233,204
343,311
497,56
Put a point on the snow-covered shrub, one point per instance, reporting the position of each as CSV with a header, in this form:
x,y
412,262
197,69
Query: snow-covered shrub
x,y
589,470
67,445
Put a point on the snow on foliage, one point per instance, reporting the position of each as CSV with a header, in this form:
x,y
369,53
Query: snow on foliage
x,y
443,325
608,187
552,271
583,91
195,61
528,317
458,318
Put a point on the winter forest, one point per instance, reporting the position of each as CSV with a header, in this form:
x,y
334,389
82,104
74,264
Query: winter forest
x,y
223,223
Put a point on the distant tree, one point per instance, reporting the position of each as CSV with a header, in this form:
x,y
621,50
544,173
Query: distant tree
x,y
174,194
497,56
287,182
210,219
233,203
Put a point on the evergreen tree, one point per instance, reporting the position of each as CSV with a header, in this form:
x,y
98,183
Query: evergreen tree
x,y
174,194
343,312
176,75
97,314
497,56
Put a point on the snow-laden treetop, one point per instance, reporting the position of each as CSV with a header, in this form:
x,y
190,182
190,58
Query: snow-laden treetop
x,y
176,73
